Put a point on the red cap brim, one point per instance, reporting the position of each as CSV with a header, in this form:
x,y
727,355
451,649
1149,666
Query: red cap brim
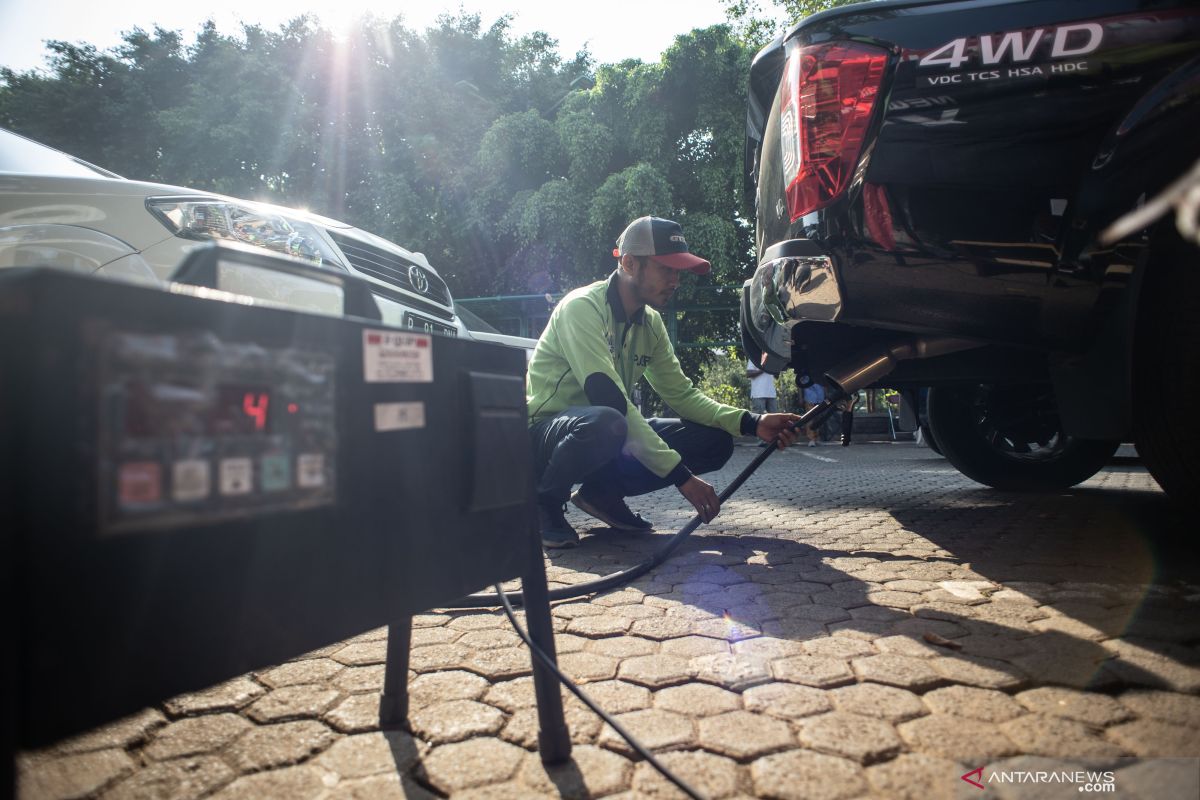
x,y
684,261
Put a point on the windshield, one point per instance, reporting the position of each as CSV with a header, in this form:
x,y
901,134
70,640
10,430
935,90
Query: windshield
x,y
18,154
472,321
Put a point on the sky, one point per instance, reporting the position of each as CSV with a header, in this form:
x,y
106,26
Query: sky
x,y
612,29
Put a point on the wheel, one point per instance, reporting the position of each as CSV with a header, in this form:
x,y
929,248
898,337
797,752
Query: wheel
x,y
929,439
1009,437
1165,369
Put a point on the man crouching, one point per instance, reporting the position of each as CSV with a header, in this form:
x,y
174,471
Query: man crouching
x,y
599,341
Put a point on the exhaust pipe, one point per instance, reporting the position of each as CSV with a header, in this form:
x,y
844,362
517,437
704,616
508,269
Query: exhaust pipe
x,y
873,364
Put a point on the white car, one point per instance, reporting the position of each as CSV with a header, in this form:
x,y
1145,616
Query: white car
x,y
58,210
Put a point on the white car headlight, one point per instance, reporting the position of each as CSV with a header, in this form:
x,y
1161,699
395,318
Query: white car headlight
x,y
245,223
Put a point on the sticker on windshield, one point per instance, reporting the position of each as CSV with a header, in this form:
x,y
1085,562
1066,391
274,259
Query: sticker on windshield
x,y
397,357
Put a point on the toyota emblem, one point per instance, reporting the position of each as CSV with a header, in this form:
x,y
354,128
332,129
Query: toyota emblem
x,y
416,276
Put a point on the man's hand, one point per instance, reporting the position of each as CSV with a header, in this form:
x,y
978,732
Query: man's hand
x,y
778,428
702,496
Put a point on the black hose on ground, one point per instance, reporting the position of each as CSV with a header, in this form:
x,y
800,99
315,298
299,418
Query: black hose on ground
x,y
814,416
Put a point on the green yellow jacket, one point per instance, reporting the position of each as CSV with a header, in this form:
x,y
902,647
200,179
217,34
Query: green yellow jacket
x,y
589,339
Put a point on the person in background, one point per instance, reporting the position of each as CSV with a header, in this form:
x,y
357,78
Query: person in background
x,y
814,394
763,398
584,429
846,406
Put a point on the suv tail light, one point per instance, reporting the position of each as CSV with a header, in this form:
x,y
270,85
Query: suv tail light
x,y
829,91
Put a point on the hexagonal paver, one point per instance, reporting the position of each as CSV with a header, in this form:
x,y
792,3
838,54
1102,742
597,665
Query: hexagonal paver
x,y
475,762
617,697
478,622
1097,710
915,776
1155,738
986,705
697,699
693,646
1165,706
593,772
442,687
786,700
841,647
588,667
271,746
523,726
1057,737
905,672
309,670
122,734
292,702
178,779
422,637
733,671
877,700
390,786
489,639
804,775
456,720
744,735
957,738
604,625
362,654
655,671
76,775
438,657
818,612
196,735
711,775
358,713
369,754
662,628
769,647
985,673
654,728
864,739
360,679
502,663
907,646
823,673
621,646
301,783
228,696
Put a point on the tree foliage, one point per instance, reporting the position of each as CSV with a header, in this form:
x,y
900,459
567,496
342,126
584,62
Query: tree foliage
x,y
487,151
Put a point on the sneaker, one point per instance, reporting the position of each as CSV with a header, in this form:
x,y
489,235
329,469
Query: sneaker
x,y
556,531
612,512
812,442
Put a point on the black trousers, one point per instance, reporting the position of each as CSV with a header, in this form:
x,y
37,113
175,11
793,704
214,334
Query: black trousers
x,y
584,444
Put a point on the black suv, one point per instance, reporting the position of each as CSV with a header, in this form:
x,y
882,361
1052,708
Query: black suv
x,y
938,174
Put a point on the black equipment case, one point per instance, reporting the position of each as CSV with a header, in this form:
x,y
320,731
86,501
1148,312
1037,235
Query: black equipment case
x,y
195,487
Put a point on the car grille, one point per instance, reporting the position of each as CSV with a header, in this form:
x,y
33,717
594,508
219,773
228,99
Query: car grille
x,y
390,267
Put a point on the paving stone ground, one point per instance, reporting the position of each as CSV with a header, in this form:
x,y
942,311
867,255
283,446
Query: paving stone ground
x,y
859,622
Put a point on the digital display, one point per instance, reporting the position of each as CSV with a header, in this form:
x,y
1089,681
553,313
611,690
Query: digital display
x,y
234,409
242,409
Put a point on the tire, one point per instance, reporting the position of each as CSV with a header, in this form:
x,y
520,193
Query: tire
x,y
1166,370
929,439
1009,437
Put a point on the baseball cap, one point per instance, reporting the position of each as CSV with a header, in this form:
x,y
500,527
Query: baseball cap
x,y
662,240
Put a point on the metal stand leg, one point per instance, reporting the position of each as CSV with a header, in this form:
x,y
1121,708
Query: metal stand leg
x,y
554,740
393,706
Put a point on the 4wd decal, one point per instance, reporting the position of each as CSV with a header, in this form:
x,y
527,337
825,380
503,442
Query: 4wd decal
x,y
1012,54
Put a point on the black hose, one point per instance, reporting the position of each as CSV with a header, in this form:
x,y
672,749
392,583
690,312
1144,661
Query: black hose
x,y
814,415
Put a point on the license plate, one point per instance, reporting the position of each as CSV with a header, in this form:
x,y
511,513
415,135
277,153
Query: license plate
x,y
419,323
